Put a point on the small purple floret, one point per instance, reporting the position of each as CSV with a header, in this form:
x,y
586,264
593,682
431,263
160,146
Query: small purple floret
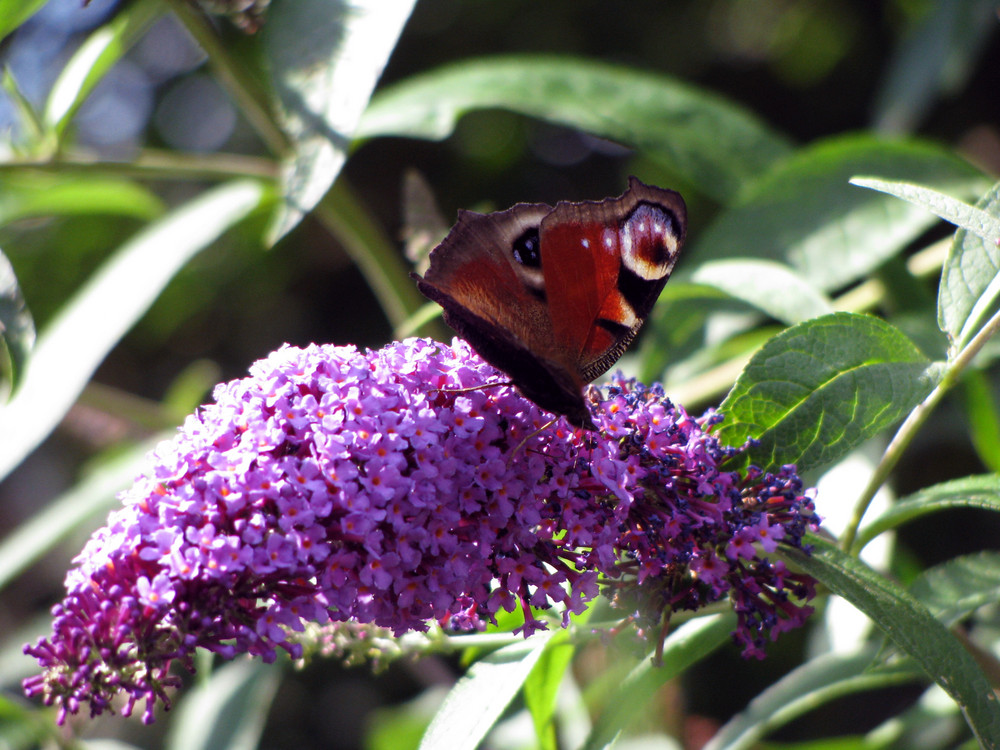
x,y
338,486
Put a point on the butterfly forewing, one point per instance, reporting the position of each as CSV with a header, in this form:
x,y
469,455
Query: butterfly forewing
x,y
618,254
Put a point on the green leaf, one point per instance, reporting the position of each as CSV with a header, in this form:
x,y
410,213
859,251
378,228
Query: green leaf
x,y
804,689
688,644
29,194
976,390
22,725
100,313
936,57
773,288
958,587
17,328
478,699
228,710
325,57
950,209
712,142
805,214
542,687
913,629
86,502
970,279
15,12
815,391
913,727
982,492
28,121
94,58
400,726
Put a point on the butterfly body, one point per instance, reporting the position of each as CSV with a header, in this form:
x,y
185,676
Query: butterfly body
x,y
553,295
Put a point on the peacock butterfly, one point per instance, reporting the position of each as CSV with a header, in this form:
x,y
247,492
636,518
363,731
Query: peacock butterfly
x,y
553,296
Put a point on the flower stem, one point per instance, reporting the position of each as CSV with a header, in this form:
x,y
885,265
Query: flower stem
x,y
235,76
908,430
152,164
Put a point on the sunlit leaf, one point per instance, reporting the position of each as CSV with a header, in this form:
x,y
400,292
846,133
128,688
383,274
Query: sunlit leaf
x,y
817,390
478,699
773,288
804,212
913,629
32,194
94,58
92,322
542,688
712,142
325,57
15,12
970,218
970,279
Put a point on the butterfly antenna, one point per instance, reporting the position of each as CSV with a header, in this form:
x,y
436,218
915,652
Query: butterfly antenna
x,y
544,427
481,387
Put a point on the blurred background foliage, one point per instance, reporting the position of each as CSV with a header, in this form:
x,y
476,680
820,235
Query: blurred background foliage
x,y
159,122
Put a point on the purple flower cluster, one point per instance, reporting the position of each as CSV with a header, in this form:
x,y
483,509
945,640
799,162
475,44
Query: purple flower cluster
x,y
690,533
400,487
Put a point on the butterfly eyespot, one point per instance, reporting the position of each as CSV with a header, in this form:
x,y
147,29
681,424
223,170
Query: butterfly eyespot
x,y
526,249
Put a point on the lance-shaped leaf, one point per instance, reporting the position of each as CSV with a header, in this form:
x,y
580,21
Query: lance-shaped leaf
x,y
981,492
773,288
804,212
476,702
29,194
688,644
99,314
226,711
970,279
541,689
325,57
934,59
817,390
15,12
94,58
714,143
912,628
960,214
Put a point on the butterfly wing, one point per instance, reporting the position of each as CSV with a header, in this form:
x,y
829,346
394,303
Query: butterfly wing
x,y
552,296
487,276
605,263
